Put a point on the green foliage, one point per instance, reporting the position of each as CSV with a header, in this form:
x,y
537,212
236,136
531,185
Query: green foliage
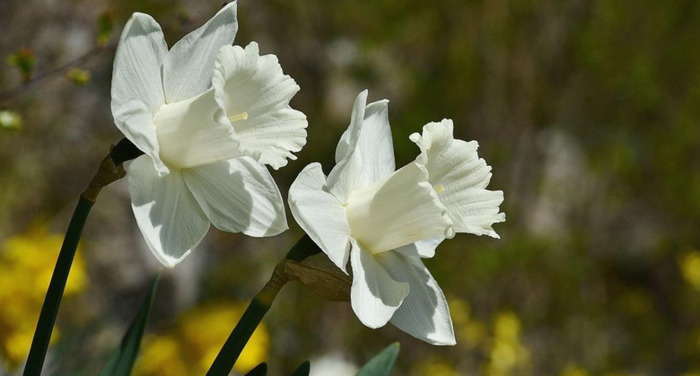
x,y
122,360
24,60
105,27
382,363
303,369
259,370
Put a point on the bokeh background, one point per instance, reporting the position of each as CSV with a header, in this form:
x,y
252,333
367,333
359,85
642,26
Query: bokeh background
x,y
588,111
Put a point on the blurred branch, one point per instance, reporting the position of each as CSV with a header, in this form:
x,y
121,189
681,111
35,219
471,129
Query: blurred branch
x,y
42,77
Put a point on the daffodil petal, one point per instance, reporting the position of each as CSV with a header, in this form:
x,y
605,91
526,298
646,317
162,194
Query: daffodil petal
x,y
255,94
349,138
422,248
374,294
190,133
238,195
365,153
460,178
188,68
320,214
137,88
137,125
167,214
424,313
397,211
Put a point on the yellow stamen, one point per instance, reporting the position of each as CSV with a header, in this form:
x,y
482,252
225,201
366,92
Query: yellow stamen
x,y
241,116
439,188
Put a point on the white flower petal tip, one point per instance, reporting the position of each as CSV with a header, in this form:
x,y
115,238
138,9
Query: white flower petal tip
x,y
459,177
320,214
365,153
167,214
171,262
189,66
254,94
374,295
424,313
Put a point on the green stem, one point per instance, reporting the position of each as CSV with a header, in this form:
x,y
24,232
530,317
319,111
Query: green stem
x,y
110,170
49,310
257,309
252,317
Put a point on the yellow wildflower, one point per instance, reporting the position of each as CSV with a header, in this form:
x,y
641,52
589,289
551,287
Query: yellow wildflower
x,y
690,268
507,356
26,265
573,370
192,345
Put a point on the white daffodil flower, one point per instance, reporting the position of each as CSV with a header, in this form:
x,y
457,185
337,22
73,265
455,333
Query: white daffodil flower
x,y
384,220
208,117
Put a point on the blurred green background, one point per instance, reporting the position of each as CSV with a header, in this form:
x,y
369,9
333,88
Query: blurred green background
x,y
588,111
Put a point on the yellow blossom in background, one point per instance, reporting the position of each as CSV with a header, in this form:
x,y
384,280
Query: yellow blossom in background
x,y
573,370
26,264
468,330
690,268
160,355
507,356
435,367
192,345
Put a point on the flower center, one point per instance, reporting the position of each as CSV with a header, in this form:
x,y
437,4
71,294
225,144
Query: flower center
x,y
239,117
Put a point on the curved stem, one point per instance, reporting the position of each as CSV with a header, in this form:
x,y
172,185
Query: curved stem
x,y
108,172
252,317
258,307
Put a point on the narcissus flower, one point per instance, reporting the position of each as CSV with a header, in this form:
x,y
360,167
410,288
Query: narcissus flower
x,y
383,221
208,117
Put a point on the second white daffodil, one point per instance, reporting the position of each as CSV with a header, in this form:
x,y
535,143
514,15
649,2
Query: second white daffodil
x,y
208,117
383,221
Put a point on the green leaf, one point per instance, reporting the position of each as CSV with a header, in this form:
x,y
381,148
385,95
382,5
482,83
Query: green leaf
x,y
382,363
24,60
259,370
303,369
123,358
